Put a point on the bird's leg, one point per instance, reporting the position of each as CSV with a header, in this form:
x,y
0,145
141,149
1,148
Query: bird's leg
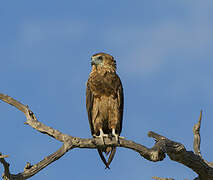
x,y
102,135
115,135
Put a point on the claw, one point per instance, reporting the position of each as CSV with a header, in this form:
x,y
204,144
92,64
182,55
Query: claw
x,y
115,135
102,135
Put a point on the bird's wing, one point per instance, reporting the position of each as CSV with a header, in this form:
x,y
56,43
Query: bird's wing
x,y
112,84
89,106
120,102
100,152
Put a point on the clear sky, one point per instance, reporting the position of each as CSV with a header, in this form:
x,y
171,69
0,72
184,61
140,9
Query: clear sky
x,y
164,53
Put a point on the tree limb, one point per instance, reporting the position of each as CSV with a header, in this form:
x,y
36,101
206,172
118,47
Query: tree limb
x,y
3,156
176,151
158,178
197,139
6,174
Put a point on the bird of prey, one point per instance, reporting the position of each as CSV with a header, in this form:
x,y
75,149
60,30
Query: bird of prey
x,y
104,102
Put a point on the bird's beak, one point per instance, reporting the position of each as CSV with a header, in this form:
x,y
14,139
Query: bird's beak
x,y
93,62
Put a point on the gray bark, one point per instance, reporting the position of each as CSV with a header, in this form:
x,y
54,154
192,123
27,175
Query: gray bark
x,y
176,151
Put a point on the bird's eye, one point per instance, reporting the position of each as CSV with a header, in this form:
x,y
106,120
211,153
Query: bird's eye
x,y
100,57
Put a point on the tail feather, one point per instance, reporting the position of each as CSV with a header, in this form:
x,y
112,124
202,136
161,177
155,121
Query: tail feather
x,y
103,158
111,156
110,150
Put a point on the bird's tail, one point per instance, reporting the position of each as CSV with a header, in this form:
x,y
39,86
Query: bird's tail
x,y
108,151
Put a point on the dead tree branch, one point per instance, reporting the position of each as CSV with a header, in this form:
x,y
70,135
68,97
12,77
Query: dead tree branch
x,y
158,178
176,151
197,139
3,156
6,174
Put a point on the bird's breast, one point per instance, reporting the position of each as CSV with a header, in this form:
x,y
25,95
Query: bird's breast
x,y
104,105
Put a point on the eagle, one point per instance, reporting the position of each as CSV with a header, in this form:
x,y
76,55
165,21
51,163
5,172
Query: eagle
x,y
104,102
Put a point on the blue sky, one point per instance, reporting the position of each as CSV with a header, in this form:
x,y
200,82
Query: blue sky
x,y
164,57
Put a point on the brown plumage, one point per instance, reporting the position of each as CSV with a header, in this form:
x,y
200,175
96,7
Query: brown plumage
x,y
104,102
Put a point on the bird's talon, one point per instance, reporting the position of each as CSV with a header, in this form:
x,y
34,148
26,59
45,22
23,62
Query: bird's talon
x,y
102,135
116,136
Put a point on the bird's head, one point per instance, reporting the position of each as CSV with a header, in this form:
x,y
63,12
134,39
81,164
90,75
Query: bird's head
x,y
103,60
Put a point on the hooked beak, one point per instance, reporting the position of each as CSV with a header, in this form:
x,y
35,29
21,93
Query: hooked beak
x,y
92,63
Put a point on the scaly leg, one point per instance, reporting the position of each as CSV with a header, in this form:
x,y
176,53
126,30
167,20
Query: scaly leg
x,y
102,135
117,137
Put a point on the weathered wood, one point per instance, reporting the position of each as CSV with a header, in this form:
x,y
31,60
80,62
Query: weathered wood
x,y
176,151
158,178
197,139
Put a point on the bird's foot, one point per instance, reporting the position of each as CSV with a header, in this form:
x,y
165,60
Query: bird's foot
x,y
102,136
116,136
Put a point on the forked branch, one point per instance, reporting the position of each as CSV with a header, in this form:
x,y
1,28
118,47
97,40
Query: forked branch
x,y
163,146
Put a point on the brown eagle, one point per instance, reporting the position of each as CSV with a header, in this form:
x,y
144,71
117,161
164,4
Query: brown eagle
x,y
104,102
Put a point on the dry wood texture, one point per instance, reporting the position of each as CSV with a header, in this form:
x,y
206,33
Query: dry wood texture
x,y
176,151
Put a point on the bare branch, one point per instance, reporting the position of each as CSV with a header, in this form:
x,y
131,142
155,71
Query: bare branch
x,y
31,119
6,174
30,170
158,178
13,102
197,139
3,156
176,151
